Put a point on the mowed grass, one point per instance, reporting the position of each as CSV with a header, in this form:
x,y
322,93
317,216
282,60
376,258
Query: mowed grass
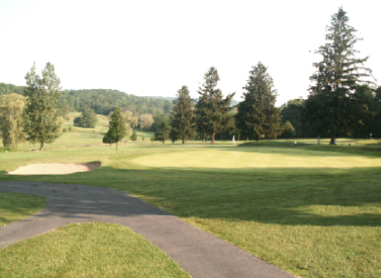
x,y
309,220
16,206
87,250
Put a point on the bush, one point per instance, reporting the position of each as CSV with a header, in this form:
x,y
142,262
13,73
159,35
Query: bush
x,y
87,119
133,137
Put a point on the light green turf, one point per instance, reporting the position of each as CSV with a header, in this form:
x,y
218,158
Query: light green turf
x,y
311,221
16,206
262,158
87,250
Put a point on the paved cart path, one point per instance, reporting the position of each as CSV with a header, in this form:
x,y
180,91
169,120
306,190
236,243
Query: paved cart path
x,y
197,252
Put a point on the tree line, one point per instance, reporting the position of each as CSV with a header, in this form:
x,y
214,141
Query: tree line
x,y
343,100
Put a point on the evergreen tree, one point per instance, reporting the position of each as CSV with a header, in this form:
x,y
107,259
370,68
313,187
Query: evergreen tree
x,y
11,119
212,110
337,76
257,114
41,119
182,116
161,127
117,127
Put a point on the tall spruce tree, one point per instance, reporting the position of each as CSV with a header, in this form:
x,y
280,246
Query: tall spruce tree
x,y
117,128
330,103
212,109
257,114
41,118
182,116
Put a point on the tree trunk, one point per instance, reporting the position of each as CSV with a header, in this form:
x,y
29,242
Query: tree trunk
x,y
42,146
116,145
163,142
213,137
333,141
183,140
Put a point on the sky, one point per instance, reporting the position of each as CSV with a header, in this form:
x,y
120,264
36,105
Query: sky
x,y
153,48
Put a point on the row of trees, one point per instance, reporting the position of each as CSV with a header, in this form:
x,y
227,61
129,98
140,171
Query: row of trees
x,y
254,117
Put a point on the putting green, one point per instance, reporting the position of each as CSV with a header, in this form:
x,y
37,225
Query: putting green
x,y
245,158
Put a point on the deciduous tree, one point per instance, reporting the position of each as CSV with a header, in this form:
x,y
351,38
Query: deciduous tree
x,y
11,119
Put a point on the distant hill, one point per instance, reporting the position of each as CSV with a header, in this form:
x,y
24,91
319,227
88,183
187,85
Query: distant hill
x,y
102,101
233,102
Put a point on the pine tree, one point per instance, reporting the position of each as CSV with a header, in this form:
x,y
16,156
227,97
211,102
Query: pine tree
x,y
162,127
212,110
329,105
257,114
117,127
182,116
41,118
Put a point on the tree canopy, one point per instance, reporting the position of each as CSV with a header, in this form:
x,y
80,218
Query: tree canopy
x,y
330,104
11,119
257,114
182,119
212,109
42,93
117,128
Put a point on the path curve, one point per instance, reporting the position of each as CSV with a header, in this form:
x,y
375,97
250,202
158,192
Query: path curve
x,y
197,252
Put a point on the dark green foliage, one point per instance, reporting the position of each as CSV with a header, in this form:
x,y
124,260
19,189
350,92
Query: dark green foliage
x,y
41,118
182,119
365,110
11,119
212,110
117,128
288,130
103,101
331,105
6,89
293,112
87,119
161,127
257,114
133,137
173,135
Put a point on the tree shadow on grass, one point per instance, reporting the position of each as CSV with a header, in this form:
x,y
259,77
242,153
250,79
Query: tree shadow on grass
x,y
350,198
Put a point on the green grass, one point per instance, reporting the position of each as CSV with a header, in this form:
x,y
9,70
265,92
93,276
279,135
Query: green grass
x,y
87,250
285,204
16,206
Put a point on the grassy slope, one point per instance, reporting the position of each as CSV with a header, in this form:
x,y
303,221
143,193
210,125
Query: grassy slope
x,y
312,222
87,250
15,206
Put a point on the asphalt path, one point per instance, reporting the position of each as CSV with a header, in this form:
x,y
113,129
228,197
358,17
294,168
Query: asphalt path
x,y
197,252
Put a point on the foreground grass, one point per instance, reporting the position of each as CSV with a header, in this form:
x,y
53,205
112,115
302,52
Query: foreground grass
x,y
311,221
16,206
87,250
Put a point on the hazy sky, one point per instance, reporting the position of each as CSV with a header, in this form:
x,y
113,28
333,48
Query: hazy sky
x,y
152,48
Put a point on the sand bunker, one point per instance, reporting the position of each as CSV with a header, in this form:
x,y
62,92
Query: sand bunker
x,y
54,169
